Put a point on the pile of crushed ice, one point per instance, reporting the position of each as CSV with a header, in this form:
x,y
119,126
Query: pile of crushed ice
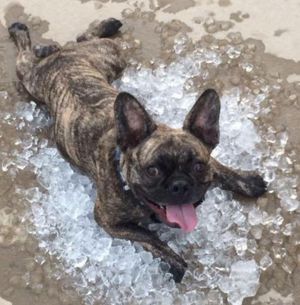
x,y
220,252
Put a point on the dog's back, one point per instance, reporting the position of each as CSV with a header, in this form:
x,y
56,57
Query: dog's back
x,y
76,88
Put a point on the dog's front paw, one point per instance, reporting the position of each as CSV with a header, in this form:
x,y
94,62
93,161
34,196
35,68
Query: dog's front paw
x,y
177,269
253,185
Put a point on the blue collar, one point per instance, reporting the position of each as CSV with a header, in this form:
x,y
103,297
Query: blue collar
x,y
118,168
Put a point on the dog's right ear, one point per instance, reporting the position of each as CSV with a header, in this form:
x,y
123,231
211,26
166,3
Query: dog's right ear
x,y
133,123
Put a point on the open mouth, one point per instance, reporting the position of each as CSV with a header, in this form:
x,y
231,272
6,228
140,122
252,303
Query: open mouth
x,y
183,216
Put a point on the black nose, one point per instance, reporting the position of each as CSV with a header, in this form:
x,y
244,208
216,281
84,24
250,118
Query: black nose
x,y
179,187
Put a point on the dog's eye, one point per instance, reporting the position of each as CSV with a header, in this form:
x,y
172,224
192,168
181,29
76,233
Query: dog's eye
x,y
153,171
199,167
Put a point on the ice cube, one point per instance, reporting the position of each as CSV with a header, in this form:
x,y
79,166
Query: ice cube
x,y
240,245
242,281
255,217
265,262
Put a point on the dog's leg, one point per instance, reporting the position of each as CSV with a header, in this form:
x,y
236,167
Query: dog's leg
x,y
150,243
26,61
19,33
244,183
130,230
45,51
105,29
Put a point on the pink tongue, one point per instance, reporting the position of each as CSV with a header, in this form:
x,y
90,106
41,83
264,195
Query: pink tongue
x,y
184,215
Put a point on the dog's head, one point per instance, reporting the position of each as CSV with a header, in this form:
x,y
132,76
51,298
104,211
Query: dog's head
x,y
168,169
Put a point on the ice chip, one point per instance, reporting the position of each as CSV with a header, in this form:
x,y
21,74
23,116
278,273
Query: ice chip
x,y
265,262
255,217
242,281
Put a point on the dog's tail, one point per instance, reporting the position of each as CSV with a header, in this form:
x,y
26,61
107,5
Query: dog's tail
x,y
20,35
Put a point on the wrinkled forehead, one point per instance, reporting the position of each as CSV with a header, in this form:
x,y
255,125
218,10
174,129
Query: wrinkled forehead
x,y
174,144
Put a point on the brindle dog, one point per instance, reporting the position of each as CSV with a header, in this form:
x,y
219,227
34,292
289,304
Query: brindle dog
x,y
111,137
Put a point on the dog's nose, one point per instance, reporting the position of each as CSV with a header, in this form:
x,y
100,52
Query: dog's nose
x,y
179,187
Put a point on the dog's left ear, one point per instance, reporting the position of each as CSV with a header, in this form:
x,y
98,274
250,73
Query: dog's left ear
x,y
133,122
203,119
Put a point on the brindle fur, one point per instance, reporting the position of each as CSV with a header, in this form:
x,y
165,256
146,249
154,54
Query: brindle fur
x,y
74,83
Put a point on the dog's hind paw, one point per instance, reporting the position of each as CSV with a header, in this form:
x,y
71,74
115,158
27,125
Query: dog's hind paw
x,y
109,27
105,29
45,51
17,26
19,33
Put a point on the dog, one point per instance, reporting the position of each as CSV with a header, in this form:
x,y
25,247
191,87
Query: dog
x,y
143,170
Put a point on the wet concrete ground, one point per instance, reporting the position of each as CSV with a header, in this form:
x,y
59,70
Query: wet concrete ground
x,y
150,30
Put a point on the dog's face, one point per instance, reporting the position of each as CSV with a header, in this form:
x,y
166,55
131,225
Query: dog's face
x,y
168,169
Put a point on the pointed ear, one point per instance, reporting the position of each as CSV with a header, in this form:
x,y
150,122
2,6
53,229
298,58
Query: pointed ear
x,y
133,123
203,119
